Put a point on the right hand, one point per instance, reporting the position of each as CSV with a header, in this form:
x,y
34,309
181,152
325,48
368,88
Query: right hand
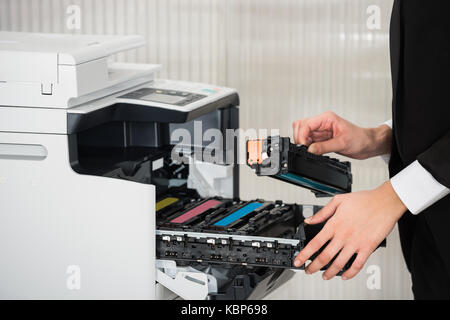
x,y
330,133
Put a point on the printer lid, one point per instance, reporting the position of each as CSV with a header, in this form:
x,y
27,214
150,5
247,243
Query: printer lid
x,y
71,49
64,70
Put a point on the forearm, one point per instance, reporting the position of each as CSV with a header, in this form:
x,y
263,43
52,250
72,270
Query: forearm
x,y
378,141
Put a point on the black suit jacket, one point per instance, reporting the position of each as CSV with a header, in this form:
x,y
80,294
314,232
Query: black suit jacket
x,y
420,65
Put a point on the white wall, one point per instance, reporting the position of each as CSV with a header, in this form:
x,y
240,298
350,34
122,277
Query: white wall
x,y
288,59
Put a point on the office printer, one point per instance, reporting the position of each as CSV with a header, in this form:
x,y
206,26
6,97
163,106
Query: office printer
x,y
103,192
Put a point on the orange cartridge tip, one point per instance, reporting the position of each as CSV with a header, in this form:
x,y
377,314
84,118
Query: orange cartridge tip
x,y
254,150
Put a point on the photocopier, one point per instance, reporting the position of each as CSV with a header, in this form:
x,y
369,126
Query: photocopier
x,y
105,195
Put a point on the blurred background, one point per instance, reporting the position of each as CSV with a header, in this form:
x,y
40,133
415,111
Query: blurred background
x,y
288,59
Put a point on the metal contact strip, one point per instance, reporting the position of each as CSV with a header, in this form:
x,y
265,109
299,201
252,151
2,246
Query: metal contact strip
x,y
292,242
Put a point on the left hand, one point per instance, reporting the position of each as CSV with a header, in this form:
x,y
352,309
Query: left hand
x,y
359,222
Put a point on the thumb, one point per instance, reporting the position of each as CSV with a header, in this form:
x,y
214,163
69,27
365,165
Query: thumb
x,y
332,145
325,213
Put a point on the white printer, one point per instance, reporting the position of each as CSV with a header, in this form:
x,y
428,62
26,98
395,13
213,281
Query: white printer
x,y
85,156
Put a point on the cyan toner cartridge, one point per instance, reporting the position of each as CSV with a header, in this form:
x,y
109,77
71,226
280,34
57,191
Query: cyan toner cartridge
x,y
278,158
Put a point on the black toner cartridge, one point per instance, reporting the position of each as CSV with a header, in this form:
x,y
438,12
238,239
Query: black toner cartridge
x,y
278,158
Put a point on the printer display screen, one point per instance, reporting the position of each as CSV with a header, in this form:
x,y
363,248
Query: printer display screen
x,y
163,98
166,96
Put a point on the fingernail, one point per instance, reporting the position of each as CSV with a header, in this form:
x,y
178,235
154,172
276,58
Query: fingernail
x,y
307,220
324,277
297,263
307,271
344,278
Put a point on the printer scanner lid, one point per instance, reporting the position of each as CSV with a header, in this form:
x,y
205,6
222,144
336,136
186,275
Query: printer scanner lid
x,y
69,49
53,70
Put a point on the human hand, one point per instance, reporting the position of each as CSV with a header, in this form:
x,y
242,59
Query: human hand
x,y
357,223
330,133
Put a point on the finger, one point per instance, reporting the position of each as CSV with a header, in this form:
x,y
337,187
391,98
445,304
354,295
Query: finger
x,y
296,126
357,265
307,141
324,258
331,145
313,246
318,136
324,122
309,125
344,256
303,135
326,212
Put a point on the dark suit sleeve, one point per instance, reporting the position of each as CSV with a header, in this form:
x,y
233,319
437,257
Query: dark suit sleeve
x,y
422,111
436,160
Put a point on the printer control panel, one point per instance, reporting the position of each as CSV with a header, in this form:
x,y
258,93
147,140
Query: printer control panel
x,y
178,96
165,96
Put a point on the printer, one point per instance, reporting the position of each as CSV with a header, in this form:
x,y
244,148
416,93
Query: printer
x,y
101,198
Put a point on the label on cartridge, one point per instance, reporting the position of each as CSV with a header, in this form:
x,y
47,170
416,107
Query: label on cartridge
x,y
242,212
196,211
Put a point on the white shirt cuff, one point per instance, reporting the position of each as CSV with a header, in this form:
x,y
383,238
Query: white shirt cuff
x,y
388,123
417,188
386,157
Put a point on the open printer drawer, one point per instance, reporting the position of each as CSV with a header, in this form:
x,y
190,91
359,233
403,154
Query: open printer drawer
x,y
245,249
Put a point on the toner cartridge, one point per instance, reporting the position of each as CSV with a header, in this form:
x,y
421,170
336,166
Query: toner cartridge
x,y
278,158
